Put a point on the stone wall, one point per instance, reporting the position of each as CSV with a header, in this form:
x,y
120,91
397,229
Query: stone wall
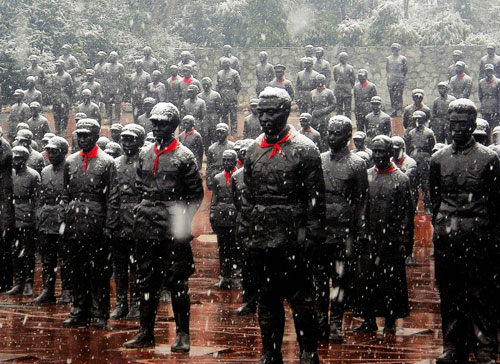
x,y
427,66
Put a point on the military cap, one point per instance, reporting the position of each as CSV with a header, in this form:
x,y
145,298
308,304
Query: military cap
x,y
80,115
396,45
164,111
230,153
116,126
24,134
376,100
35,104
279,67
86,92
443,84
491,46
66,46
149,100
420,114
89,71
460,63
458,52
359,135
18,92
57,142
87,126
489,67
101,54
417,91
496,130
33,58
20,151
222,126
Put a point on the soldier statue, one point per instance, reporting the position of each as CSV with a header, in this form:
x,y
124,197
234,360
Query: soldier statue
x,y
305,120
156,88
364,91
88,107
306,82
192,139
251,125
229,85
213,103
439,120
71,63
149,63
418,105
38,124
322,66
62,97
377,122
114,75
280,81
214,153
172,87
94,86
143,120
234,62
396,68
323,103
461,84
187,59
31,93
139,88
19,113
264,72
196,107
36,71
458,55
489,95
343,74
100,70
490,58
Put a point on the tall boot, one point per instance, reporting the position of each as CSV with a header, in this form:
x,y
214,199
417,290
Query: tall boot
x,y
145,337
18,268
336,329
181,307
49,280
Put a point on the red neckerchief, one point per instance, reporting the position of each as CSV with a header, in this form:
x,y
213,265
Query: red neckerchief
x,y
276,146
281,80
86,156
320,88
363,84
308,130
172,79
240,163
419,106
170,148
189,133
400,162
461,75
188,80
391,169
228,176
492,79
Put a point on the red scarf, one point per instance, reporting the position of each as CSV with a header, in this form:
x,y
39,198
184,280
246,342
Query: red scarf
x,y
170,148
276,146
419,106
47,154
86,156
320,88
173,79
363,84
461,75
240,163
228,176
490,81
308,130
189,133
400,162
391,169
281,80
188,80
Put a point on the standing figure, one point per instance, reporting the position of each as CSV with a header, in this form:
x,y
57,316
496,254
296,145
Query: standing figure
x,y
490,58
192,139
38,124
171,187
461,84
19,113
458,55
229,85
91,198
149,63
249,305
187,80
26,183
88,107
264,72
305,84
364,91
223,219
139,87
322,66
70,61
35,160
234,62
346,184
94,86
439,120
26,189
196,107
114,74
156,88
465,192
280,81
123,244
214,153
396,68
36,71
359,141
100,69
382,276
283,216
305,121
173,88
323,103
31,93
489,95
418,105
213,103
495,146
116,132
251,125
377,122
61,98
143,120
7,223
343,74
308,52
420,142
50,216
187,59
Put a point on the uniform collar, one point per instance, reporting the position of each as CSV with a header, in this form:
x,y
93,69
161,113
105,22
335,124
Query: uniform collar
x,y
465,149
340,154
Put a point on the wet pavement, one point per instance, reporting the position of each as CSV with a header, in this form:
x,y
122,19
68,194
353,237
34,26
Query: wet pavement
x,y
35,333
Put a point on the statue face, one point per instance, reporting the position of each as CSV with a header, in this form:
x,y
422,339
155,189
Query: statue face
x,y
226,65
491,51
359,143
489,72
418,120
31,83
147,108
192,92
86,98
18,162
89,77
309,51
56,155
338,136
87,140
319,81
304,121
229,163
147,52
343,58
113,57
308,65
116,135
398,150
174,71
461,127
206,86
187,124
319,53
186,72
376,106
221,135
34,63
163,130
263,57
272,116
443,90
457,58
156,77
59,67
279,74
253,108
395,51
34,111
18,98
381,155
361,77
459,69
418,98
138,67
131,145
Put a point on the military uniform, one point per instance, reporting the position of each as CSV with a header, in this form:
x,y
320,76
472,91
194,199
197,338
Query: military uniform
x,y
312,134
229,85
61,101
35,160
452,71
144,121
283,212
439,121
322,66
408,122
91,109
494,60
344,77
163,251
157,91
235,64
32,95
382,288
150,64
251,127
194,142
465,195
283,84
213,103
7,213
377,124
96,89
489,95
214,160
39,126
19,113
139,90
173,90
460,86
420,143
363,93
323,103
346,184
396,68
113,89
264,74
92,200
181,87
198,110
304,85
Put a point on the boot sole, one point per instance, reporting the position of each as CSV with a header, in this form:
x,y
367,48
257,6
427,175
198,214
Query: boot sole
x,y
180,350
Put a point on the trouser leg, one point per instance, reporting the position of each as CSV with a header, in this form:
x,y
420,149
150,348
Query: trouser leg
x,y
322,267
233,115
248,281
57,111
5,264
49,261
81,261
121,254
360,122
224,241
347,101
64,258
100,273
225,113
18,266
